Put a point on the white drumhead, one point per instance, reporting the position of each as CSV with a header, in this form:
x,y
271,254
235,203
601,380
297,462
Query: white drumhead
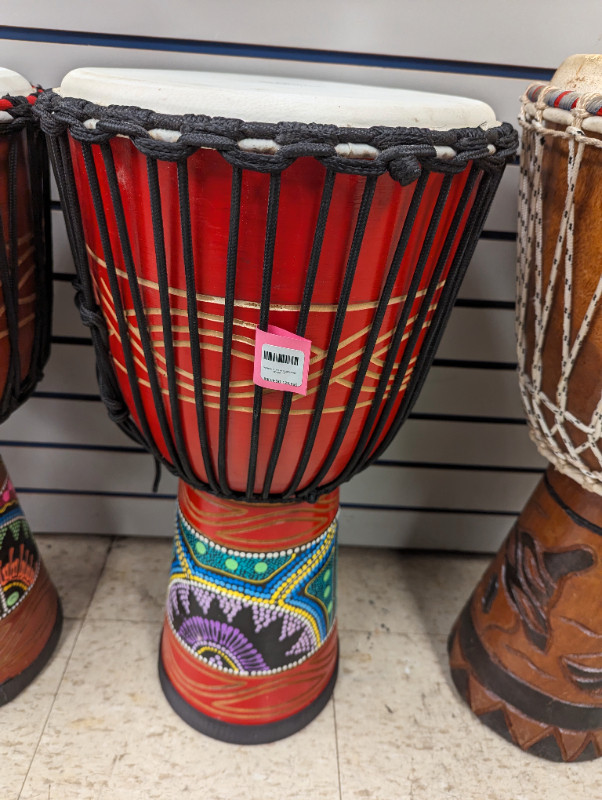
x,y
580,73
13,83
255,98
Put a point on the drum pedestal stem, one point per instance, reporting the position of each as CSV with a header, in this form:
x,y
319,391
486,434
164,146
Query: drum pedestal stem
x,y
30,610
526,651
249,648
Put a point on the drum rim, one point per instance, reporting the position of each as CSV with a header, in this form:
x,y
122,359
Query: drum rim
x,y
271,147
16,111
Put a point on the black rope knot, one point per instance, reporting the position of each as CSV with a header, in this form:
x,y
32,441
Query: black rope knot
x,y
402,151
405,168
20,111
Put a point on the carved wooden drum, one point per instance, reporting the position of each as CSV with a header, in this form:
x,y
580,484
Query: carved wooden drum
x,y
266,266
527,650
30,615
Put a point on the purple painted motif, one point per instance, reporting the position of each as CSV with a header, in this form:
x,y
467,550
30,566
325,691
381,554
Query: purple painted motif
x,y
221,644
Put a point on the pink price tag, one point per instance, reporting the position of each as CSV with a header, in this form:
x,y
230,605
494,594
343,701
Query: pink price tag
x,y
281,360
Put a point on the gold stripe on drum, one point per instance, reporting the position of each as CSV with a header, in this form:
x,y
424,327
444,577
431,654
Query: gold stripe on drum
x,y
30,298
319,353
217,300
314,375
22,324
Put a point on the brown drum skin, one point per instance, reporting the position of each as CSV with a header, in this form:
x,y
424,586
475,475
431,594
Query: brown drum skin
x,y
526,651
585,384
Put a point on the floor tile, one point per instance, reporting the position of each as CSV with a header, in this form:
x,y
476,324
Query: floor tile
x,y
403,592
112,736
396,729
75,564
23,719
134,582
403,732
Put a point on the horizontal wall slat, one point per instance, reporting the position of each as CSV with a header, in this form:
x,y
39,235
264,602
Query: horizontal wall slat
x,y
424,530
468,392
68,421
61,252
450,390
64,470
502,215
471,334
382,486
479,334
70,369
69,513
368,527
464,443
474,490
66,320
379,28
51,62
71,423
491,272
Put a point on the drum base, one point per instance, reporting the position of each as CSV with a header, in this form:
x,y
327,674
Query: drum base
x,y
244,734
249,650
30,609
28,637
526,651
14,686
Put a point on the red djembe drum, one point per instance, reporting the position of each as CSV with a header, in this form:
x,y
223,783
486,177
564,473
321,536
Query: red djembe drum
x,y
526,652
30,613
240,228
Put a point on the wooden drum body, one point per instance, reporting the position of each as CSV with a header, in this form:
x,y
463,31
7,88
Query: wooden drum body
x,y
527,650
193,228
30,614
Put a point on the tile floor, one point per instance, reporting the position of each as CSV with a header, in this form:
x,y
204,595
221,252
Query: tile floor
x,y
95,725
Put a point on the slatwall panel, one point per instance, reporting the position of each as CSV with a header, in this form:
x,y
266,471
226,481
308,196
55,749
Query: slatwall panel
x,y
463,464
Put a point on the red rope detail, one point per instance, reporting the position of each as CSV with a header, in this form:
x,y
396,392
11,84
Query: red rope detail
x,y
559,98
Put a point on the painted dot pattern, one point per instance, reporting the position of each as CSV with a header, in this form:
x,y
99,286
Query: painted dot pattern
x,y
251,612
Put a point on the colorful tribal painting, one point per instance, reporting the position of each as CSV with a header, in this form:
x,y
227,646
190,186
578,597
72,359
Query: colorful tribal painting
x,y
251,612
19,560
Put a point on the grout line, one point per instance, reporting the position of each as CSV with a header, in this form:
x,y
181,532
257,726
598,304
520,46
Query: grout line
x,y
336,743
100,574
67,662
44,726
121,620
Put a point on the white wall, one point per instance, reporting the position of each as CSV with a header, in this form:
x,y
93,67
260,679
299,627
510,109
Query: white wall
x,y
463,464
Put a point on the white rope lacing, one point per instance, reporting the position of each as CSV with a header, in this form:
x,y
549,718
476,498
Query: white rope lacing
x,y
554,440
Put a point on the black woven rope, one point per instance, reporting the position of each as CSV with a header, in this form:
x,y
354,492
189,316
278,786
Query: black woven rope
x,y
25,142
403,152
266,286
335,337
408,155
310,281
